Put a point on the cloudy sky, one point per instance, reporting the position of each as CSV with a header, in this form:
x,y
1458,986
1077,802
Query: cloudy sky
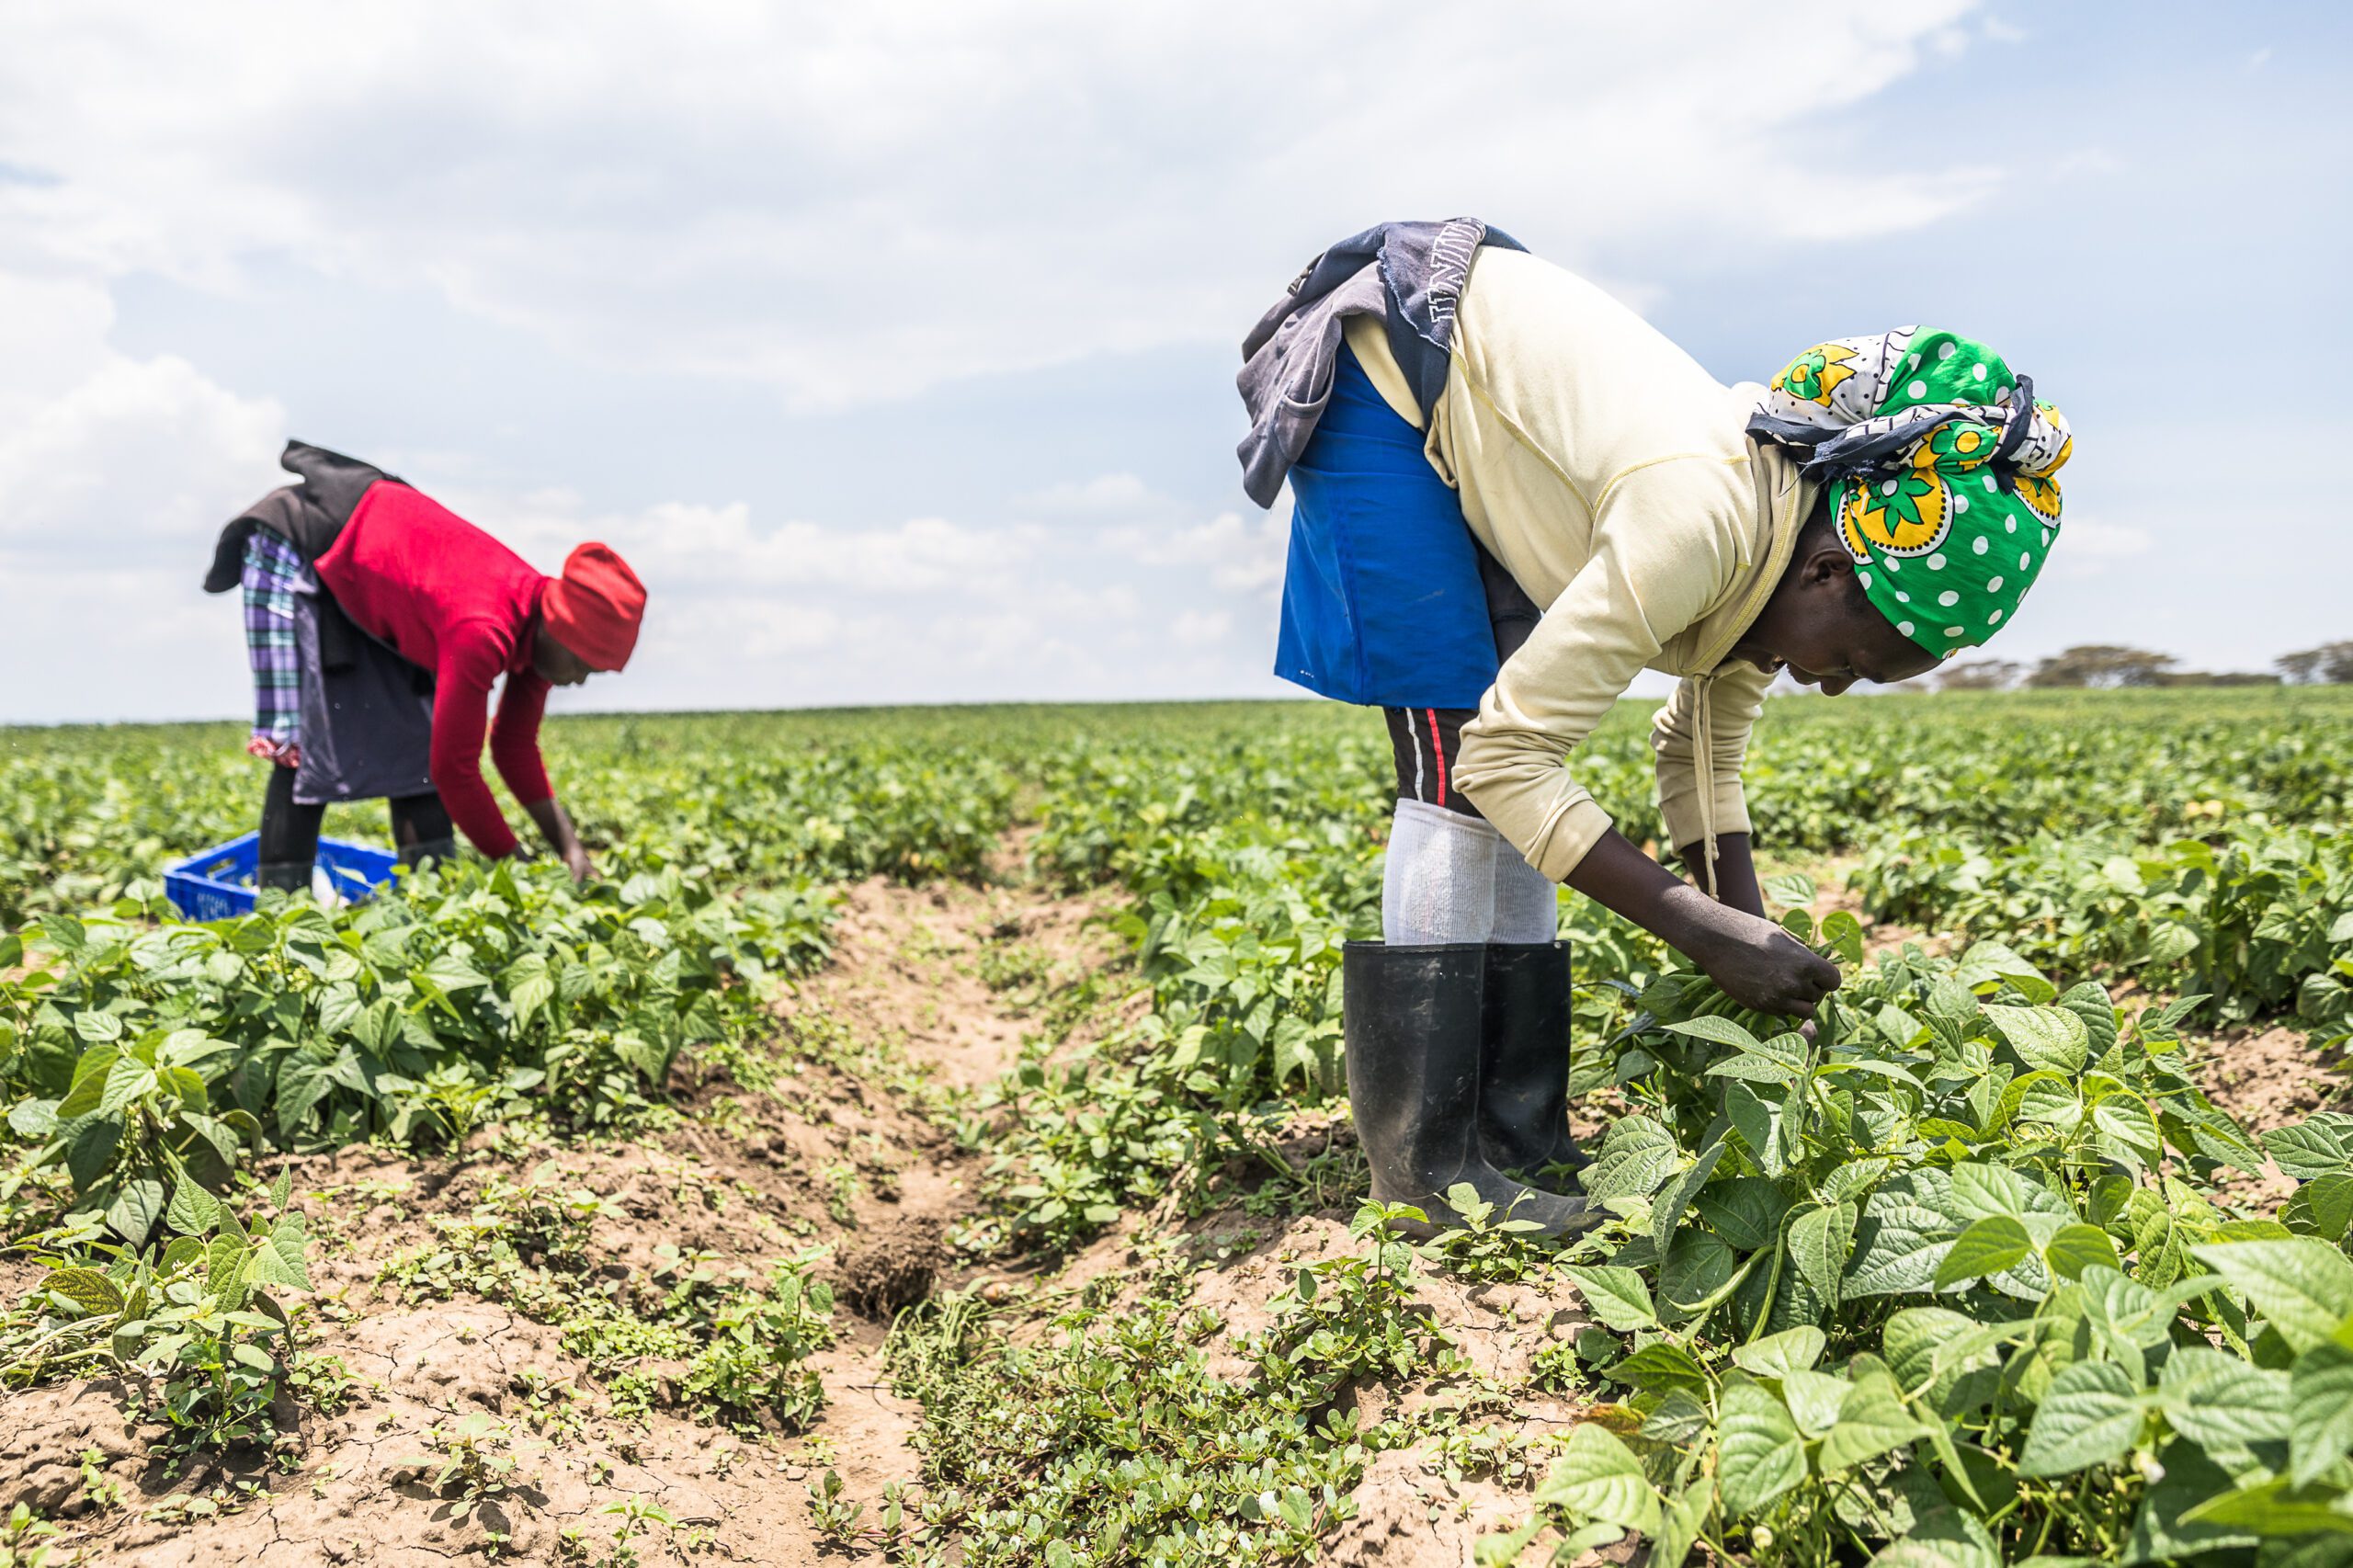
x,y
893,341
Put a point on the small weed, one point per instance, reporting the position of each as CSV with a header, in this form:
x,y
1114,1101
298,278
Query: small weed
x,y
841,1195
471,1462
24,1539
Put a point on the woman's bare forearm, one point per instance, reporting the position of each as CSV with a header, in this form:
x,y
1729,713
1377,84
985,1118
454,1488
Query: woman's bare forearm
x,y
1758,963
1621,878
555,825
1735,871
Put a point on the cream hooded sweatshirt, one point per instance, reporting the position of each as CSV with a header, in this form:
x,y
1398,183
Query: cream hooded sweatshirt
x,y
1611,476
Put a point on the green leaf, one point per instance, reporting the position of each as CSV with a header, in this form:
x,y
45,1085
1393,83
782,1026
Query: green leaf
x,y
1852,1179
451,973
2090,1416
2306,1150
1820,1240
1988,1246
89,1085
1636,1157
1660,1368
2303,1288
1597,1479
1759,1452
1952,1010
280,1260
2220,1402
1696,1267
1872,1420
1792,1350
138,1205
2073,1248
33,1119
91,1150
1753,1068
303,1079
193,1210
1666,1211
87,1289
224,1266
2320,1402
2050,1039
1944,1538
1679,1525
2321,1208
2159,1533
1843,935
1746,1210
1943,1358
1722,1031
1812,1398
128,1081
2089,1000
1616,1296
1758,1122
2270,1510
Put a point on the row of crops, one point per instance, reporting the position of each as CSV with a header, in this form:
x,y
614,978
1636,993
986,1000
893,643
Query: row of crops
x,y
1956,1279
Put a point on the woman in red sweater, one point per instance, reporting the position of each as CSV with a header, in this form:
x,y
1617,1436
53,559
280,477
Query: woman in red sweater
x,y
405,619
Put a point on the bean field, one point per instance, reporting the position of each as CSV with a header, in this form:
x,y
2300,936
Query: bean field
x,y
926,1143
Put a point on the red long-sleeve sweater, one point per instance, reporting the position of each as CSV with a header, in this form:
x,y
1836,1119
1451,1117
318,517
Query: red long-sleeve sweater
x,y
444,595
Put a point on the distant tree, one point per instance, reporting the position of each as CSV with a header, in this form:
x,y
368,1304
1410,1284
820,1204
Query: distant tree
x,y
1986,674
2103,665
2331,663
2218,677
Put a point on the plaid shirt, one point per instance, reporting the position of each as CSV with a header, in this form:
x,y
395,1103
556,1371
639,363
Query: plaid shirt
x,y
272,573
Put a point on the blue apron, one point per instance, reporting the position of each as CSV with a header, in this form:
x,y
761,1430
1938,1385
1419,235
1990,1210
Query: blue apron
x,y
1383,602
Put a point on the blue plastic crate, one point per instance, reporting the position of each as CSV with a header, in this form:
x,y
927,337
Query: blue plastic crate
x,y
220,882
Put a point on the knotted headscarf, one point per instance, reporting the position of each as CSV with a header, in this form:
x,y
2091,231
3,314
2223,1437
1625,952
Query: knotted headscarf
x,y
1939,462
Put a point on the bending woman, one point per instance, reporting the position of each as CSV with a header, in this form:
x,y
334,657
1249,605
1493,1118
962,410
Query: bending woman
x,y
377,621
1510,497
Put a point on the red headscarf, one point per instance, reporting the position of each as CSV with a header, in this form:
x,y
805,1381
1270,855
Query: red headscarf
x,y
595,607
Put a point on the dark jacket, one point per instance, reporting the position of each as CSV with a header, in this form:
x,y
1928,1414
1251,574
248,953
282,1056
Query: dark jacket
x,y
1411,275
308,516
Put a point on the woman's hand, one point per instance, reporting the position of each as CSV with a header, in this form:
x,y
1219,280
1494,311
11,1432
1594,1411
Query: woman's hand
x,y
1761,966
1758,964
555,826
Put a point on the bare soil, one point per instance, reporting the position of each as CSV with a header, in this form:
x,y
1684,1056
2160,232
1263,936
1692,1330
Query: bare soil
x,y
2268,1078
930,994
837,1154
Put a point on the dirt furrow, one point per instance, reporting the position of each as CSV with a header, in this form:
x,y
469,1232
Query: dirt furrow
x,y
835,1140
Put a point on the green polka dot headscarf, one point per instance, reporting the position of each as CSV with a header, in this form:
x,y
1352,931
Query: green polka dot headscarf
x,y
1939,462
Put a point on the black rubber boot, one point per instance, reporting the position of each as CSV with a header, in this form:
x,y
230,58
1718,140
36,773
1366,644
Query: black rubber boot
x,y
1412,1017
437,850
1524,1060
285,876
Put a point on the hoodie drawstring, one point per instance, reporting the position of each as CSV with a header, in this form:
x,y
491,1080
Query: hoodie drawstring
x,y
1703,767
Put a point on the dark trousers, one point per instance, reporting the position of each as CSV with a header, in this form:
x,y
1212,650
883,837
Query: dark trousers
x,y
289,831
1425,740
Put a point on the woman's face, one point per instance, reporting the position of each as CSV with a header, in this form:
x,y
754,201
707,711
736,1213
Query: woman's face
x,y
558,665
1819,628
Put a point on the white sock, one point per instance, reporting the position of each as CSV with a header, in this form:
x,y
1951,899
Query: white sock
x,y
1527,904
1439,885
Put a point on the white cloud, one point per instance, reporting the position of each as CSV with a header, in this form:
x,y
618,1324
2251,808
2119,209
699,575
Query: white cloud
x,y
836,205
850,202
1243,554
1195,628
116,475
2088,546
